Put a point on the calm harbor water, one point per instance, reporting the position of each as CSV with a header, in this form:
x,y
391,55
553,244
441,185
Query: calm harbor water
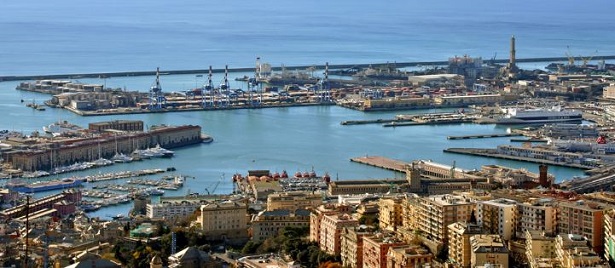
x,y
291,139
71,36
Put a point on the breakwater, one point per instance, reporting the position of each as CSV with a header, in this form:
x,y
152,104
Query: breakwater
x,y
250,69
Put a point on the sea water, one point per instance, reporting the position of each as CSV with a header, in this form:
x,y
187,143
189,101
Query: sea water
x,y
70,36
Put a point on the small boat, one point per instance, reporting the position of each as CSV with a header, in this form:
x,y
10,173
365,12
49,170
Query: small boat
x,y
121,158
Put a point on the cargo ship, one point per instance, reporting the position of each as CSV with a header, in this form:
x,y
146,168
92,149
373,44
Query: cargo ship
x,y
22,186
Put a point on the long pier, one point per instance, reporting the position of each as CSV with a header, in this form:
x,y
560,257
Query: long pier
x,y
250,69
483,136
494,154
382,162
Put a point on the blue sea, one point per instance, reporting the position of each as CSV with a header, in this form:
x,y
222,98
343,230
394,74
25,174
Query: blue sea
x,y
71,36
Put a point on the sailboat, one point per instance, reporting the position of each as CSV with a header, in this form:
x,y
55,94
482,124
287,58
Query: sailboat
x,y
101,161
120,157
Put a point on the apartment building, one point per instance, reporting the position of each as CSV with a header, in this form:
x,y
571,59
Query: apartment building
x,y
376,248
537,214
437,212
540,249
583,218
459,247
269,223
390,215
488,250
224,220
498,216
331,228
409,256
352,245
293,200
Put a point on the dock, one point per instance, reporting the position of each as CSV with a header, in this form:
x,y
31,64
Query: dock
x,y
494,154
528,140
382,162
365,122
483,136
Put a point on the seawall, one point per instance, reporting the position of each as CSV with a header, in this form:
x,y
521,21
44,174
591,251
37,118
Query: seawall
x,y
250,69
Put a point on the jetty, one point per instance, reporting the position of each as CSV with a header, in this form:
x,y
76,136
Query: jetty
x,y
251,69
482,136
494,154
382,162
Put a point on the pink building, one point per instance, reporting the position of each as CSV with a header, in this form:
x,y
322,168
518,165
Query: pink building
x,y
331,232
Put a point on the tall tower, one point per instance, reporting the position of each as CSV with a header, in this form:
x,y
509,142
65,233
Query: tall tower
x,y
512,51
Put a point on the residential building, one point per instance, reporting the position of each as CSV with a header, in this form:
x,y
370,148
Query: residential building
x,y
269,223
488,250
540,249
172,208
376,249
331,228
583,218
537,214
224,220
352,245
498,216
437,212
390,213
609,236
293,200
409,256
317,215
573,251
459,247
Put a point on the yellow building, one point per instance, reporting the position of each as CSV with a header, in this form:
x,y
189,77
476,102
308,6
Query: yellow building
x,y
488,250
459,248
269,223
583,218
540,249
410,256
609,236
572,251
293,200
390,213
352,245
498,216
396,103
331,228
437,212
224,220
609,92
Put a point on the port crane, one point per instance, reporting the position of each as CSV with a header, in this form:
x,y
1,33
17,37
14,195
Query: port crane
x,y
570,57
215,186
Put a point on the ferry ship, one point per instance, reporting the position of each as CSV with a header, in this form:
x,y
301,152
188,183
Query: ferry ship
x,y
539,116
61,127
21,186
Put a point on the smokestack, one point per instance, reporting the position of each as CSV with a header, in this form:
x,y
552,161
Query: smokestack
x,y
543,178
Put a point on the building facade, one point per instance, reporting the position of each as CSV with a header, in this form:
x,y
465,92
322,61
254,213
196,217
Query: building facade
x,y
293,200
224,220
459,247
488,250
498,216
331,228
437,212
269,223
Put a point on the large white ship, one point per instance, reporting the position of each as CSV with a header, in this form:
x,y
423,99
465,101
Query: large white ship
x,y
539,116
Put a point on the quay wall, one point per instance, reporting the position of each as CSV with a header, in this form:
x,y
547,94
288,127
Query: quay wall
x,y
68,152
250,69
